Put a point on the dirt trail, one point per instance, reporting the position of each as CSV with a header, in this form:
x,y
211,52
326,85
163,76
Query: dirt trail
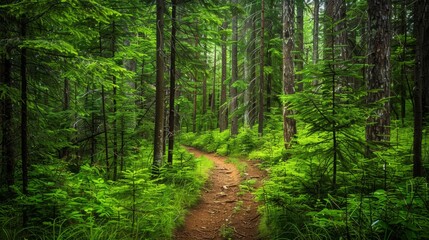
x,y
224,210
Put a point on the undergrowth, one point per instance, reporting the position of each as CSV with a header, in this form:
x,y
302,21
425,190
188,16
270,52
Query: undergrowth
x,y
374,198
83,205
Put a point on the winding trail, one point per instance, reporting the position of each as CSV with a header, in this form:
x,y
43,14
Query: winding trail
x,y
225,211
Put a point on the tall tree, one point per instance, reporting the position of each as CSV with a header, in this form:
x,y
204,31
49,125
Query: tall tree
x,y
250,70
300,43
289,124
115,108
7,168
261,74
24,116
213,94
315,55
335,30
171,119
421,75
223,110
234,70
159,98
378,71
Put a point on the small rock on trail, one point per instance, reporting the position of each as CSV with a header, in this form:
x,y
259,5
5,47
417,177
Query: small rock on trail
x,y
222,213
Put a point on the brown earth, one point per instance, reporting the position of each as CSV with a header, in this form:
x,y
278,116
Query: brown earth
x,y
225,210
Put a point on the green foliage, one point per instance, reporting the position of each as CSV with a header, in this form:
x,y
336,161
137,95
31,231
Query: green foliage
x,y
85,206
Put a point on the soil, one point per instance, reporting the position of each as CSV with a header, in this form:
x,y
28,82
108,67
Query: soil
x,y
225,210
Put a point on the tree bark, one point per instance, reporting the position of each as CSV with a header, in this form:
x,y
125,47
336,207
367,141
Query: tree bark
x,y
315,55
335,30
289,124
213,97
8,162
24,119
171,120
159,98
300,44
378,71
234,72
261,74
223,110
115,109
421,23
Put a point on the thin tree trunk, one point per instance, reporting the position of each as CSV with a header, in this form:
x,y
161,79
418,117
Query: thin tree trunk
x,y
194,103
6,122
421,14
66,95
93,132
204,86
159,104
213,98
115,108
223,110
300,45
171,120
106,143
246,99
289,124
378,71
63,153
234,73
269,63
402,85
24,120
261,74
122,143
251,71
315,55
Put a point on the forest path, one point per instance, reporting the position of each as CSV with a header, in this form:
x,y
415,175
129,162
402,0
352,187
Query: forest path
x,y
225,210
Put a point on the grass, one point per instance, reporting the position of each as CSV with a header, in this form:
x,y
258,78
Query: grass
x,y
226,231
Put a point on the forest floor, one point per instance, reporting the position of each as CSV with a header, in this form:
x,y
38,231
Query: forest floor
x,y
227,209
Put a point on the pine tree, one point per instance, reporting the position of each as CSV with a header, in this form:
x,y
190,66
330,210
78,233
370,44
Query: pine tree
x,y
378,72
289,124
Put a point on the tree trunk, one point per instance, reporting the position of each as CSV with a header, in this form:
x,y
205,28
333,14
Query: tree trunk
x,y
269,84
115,109
289,124
378,72
261,74
223,110
335,30
122,163
93,132
402,85
159,98
300,45
8,162
24,119
250,71
106,139
195,104
315,55
213,98
421,14
204,87
234,73
171,120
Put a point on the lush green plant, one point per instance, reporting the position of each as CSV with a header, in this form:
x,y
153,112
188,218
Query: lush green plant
x,y
85,206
